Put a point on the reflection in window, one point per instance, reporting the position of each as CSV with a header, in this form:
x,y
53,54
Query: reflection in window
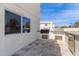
x,y
26,24
12,23
44,31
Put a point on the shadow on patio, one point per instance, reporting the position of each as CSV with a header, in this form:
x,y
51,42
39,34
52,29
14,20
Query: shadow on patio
x,y
40,48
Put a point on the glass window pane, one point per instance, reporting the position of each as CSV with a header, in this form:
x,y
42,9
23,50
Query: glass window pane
x,y
12,23
26,24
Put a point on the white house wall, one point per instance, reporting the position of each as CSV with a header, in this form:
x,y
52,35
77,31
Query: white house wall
x,y
43,26
12,42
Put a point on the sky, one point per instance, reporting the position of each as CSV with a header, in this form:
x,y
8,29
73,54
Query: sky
x,y
60,13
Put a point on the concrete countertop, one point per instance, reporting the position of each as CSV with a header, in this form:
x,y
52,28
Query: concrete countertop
x,y
76,34
73,33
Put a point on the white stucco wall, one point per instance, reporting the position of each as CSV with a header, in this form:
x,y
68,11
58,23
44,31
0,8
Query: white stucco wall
x,y
47,25
13,42
43,26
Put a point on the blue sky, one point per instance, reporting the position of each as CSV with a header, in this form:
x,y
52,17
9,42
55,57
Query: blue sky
x,y
60,13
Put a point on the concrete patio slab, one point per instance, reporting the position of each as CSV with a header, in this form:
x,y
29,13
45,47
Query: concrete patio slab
x,y
42,48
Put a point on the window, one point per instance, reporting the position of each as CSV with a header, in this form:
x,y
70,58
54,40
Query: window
x,y
26,24
12,23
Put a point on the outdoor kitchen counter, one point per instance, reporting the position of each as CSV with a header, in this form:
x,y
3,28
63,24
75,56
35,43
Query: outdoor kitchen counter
x,y
76,38
73,33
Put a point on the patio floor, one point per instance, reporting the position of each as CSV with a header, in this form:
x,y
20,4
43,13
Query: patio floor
x,y
44,48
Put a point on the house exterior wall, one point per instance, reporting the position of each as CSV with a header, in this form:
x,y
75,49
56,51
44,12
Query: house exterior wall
x,y
12,42
47,25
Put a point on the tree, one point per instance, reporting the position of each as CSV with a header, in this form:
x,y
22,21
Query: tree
x,y
64,26
76,24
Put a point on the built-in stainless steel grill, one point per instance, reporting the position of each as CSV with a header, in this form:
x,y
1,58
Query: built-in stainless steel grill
x,y
45,33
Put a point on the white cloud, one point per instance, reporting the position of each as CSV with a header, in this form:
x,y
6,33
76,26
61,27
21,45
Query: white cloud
x,y
68,14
